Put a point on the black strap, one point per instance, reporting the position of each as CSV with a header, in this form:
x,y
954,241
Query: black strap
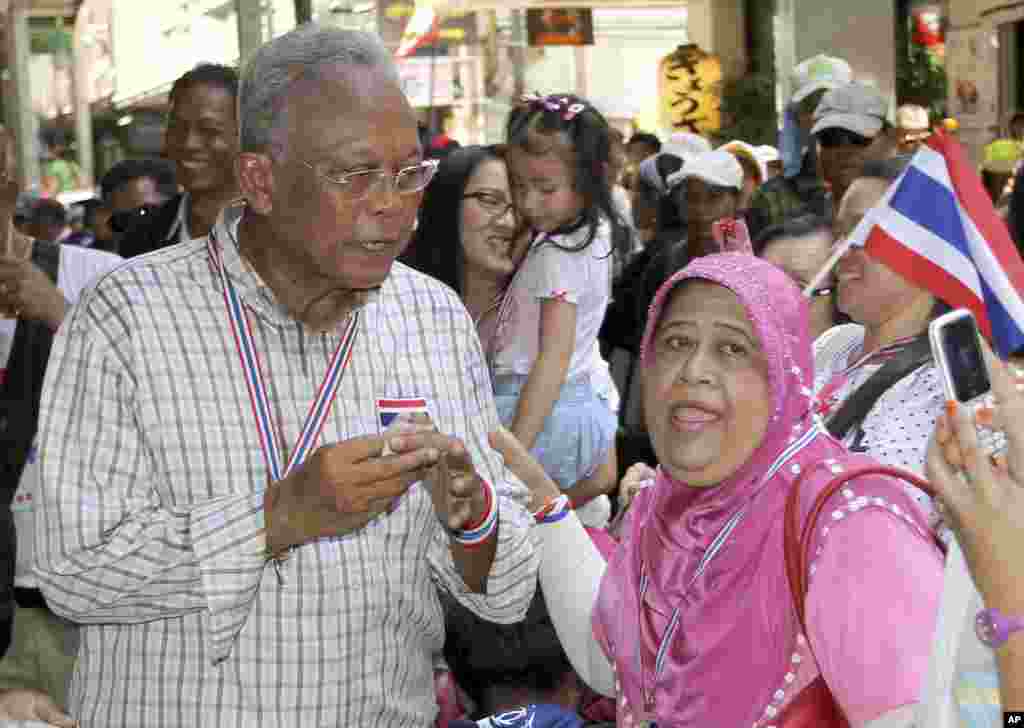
x,y
856,407
46,257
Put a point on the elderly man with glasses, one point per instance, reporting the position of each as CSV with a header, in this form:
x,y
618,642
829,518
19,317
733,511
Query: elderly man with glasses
x,y
266,449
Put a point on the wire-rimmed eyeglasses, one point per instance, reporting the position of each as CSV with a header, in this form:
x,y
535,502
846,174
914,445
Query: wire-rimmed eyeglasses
x,y
494,205
359,185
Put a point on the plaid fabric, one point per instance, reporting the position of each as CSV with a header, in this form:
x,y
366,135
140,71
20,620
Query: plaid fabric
x,y
149,525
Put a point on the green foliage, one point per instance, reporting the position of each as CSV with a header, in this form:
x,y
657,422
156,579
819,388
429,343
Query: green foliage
x,y
921,79
748,110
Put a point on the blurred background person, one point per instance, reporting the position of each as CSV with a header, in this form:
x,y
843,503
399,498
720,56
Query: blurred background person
x,y
850,129
202,141
707,189
801,246
639,147
800,186
60,172
134,194
50,221
754,172
913,127
40,280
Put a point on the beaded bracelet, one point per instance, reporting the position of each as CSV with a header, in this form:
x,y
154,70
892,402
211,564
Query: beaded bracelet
x,y
475,534
555,508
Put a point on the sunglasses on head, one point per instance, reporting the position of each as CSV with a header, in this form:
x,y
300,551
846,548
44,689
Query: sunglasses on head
x,y
837,137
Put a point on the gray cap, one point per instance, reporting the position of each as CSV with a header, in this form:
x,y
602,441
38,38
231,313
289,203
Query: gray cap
x,y
856,107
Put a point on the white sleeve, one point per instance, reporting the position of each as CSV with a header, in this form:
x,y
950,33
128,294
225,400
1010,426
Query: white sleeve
x,y
80,267
571,569
554,273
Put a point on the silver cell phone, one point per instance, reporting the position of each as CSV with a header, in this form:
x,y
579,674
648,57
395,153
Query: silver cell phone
x,y
958,354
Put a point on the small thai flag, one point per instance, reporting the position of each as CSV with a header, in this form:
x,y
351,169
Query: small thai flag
x,y
937,227
389,409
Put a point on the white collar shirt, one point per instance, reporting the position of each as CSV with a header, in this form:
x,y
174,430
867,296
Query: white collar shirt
x,y
149,525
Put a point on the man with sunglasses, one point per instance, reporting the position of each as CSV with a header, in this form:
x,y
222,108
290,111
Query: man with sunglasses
x,y
799,189
267,449
851,129
134,192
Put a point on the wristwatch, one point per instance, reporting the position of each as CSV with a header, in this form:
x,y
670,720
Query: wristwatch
x,y
993,629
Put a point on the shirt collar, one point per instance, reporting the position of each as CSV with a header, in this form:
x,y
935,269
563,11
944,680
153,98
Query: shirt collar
x,y
179,230
251,288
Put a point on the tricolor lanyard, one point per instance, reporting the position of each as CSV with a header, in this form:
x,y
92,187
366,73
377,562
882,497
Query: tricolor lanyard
x,y
318,410
838,381
648,691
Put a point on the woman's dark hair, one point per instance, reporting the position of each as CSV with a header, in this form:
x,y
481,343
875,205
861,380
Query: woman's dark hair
x,y
643,137
436,246
669,217
562,120
484,656
799,226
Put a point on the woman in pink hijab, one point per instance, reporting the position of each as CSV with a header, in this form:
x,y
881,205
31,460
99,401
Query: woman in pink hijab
x,y
691,621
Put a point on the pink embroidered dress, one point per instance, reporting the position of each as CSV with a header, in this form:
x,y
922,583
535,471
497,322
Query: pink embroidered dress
x,y
695,611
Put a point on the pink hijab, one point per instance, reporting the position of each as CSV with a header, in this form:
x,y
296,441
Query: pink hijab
x,y
728,648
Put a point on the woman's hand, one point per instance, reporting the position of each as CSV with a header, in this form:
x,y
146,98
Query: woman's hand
x,y
638,477
983,497
525,467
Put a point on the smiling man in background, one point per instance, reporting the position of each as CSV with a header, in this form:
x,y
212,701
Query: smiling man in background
x,y
202,141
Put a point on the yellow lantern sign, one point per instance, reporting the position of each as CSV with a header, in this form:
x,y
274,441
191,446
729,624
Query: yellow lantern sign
x,y
689,88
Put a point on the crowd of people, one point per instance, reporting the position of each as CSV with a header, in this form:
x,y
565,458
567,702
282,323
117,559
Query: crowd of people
x,y
318,426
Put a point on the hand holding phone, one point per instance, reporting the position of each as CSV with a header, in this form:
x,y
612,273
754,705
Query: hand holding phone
x,y
957,350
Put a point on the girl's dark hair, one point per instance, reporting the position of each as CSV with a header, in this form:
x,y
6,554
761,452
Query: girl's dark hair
x,y
792,227
540,124
436,246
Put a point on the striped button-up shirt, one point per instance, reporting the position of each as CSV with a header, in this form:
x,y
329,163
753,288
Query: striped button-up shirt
x,y
149,526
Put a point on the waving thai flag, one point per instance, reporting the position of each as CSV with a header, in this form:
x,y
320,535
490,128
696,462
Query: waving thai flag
x,y
423,28
937,227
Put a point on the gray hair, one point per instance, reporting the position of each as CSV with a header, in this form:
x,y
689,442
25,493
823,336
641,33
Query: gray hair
x,y
297,55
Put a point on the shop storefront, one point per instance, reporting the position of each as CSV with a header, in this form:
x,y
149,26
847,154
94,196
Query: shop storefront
x,y
983,45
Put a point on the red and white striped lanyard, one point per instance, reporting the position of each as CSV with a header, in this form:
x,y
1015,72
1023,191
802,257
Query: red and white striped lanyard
x,y
318,410
839,380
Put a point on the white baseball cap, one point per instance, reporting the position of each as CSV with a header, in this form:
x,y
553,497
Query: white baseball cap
x,y
819,73
718,168
686,145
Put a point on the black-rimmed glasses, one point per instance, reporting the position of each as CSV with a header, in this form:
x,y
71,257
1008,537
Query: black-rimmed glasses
x,y
359,185
494,205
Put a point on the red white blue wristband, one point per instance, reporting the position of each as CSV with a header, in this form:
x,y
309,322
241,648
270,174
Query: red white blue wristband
x,y
477,533
553,510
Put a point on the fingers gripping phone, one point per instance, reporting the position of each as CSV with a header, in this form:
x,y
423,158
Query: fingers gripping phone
x,y
958,354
